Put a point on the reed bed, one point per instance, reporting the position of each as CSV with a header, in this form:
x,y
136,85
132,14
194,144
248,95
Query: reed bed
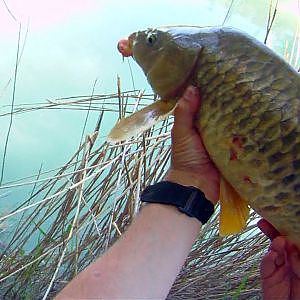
x,y
76,212
74,215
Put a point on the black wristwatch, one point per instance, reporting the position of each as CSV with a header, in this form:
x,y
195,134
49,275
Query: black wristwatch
x,y
187,199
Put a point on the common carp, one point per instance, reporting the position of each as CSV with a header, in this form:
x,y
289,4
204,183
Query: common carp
x,y
249,117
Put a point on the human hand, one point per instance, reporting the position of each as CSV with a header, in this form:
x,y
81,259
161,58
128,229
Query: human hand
x,y
280,267
190,163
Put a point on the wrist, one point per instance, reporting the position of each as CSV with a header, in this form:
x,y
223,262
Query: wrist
x,y
187,199
206,183
171,212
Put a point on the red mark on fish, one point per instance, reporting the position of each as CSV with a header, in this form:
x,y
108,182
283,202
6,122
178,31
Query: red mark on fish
x,y
238,141
233,154
236,146
247,179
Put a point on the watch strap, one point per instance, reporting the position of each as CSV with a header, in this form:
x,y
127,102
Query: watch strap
x,y
187,199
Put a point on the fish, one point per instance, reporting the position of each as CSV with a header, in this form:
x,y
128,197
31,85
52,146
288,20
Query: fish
x,y
249,117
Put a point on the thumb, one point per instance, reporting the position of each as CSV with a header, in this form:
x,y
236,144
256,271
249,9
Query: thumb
x,y
186,108
267,229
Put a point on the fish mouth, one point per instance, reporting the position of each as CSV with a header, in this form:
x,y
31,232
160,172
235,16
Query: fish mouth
x,y
125,46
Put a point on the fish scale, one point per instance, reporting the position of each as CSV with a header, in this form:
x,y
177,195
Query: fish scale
x,y
278,143
250,110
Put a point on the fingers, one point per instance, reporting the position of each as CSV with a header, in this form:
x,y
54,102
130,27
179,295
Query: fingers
x,y
274,258
267,229
186,109
275,279
294,258
285,251
278,244
268,266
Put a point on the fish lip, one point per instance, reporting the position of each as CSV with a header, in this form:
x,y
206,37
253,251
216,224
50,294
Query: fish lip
x,y
125,46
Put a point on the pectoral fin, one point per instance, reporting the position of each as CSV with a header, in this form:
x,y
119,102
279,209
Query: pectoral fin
x,y
234,210
141,120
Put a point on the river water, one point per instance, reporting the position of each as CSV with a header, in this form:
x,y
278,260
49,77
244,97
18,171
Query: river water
x,y
64,50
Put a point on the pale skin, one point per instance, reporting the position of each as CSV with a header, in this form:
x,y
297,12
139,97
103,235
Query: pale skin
x,y
145,261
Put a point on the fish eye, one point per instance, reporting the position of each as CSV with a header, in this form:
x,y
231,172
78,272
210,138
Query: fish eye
x,y
151,38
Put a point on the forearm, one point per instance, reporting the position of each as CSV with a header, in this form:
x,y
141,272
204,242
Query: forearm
x,y
144,262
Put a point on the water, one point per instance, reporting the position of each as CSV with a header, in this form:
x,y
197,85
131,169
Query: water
x,y
66,50
69,45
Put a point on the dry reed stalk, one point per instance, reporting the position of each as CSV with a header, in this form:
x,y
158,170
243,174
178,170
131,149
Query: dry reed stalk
x,y
74,215
271,18
79,213
52,207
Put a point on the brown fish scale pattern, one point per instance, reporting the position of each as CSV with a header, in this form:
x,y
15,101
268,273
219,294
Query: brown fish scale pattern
x,y
252,96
